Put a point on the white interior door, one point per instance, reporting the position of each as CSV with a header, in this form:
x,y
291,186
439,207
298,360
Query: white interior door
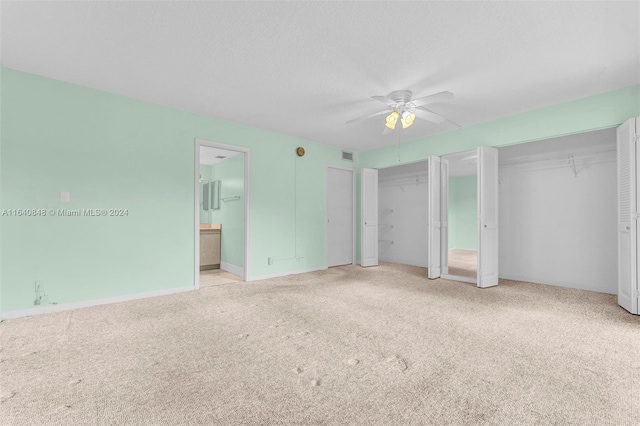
x,y
444,208
487,216
627,151
434,229
369,217
340,216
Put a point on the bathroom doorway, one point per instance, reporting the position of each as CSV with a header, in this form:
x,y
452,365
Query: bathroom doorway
x,y
221,213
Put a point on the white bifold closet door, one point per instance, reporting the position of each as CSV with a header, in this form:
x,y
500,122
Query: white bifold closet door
x,y
434,227
628,161
369,217
487,216
444,221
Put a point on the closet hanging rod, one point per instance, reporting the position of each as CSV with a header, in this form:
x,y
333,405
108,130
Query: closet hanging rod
x,y
402,182
567,159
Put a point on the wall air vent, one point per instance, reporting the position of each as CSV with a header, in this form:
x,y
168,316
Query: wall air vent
x,y
347,156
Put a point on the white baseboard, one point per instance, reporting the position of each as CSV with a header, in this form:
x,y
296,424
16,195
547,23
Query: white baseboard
x,y
533,280
48,309
225,266
284,274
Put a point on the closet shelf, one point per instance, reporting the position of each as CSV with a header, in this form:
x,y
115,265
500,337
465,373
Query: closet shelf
x,y
569,158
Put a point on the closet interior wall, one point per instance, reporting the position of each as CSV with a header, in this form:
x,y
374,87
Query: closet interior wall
x,y
557,212
402,214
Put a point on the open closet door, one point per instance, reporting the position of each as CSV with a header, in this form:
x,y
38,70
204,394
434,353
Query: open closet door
x,y
369,218
444,209
627,151
487,217
434,228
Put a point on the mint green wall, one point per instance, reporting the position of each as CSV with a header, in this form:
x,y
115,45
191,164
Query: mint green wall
x,y
110,151
230,173
463,212
595,112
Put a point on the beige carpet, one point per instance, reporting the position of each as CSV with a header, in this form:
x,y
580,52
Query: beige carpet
x,y
463,263
346,346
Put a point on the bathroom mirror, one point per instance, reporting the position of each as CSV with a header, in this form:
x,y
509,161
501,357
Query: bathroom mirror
x,y
215,195
206,196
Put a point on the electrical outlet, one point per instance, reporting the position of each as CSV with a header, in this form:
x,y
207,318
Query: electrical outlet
x,y
269,260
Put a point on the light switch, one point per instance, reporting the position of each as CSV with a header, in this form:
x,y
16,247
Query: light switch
x,y
65,196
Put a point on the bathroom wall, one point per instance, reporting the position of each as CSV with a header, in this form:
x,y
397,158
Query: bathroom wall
x,y
230,215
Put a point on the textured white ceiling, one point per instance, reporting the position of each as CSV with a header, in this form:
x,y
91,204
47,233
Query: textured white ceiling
x,y
304,68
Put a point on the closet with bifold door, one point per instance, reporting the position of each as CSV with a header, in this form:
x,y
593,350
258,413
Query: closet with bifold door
x,y
406,217
628,200
568,212
463,246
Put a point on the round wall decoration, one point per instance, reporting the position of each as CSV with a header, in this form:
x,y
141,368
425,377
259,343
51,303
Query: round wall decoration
x,y
300,151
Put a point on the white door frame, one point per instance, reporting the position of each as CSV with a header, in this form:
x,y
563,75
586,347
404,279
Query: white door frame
x,y
353,212
247,202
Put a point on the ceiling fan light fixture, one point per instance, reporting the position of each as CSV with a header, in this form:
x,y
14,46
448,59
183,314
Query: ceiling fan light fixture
x,y
392,120
407,119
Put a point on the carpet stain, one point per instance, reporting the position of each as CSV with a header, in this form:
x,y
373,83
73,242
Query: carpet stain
x,y
315,382
6,397
397,363
353,361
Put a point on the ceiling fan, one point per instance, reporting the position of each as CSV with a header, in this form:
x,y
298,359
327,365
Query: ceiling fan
x,y
401,107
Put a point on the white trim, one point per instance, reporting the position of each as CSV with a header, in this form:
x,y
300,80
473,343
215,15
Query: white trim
x,y
229,267
459,278
247,203
353,212
528,280
47,309
284,274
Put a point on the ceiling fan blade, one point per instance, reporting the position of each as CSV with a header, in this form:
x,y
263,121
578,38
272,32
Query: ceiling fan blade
x,y
369,116
438,97
425,114
385,100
